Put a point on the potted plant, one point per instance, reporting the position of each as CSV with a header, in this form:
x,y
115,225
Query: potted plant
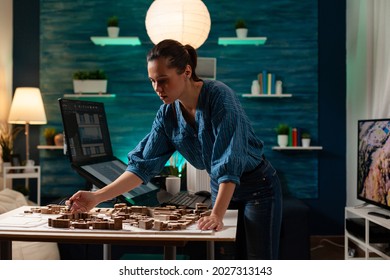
x,y
59,139
113,26
6,146
7,136
90,82
241,28
49,134
282,131
305,139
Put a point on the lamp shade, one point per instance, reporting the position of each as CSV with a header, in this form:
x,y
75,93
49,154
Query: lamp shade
x,y
186,21
27,107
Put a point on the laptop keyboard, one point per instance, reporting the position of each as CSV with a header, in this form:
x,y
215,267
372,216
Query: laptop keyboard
x,y
184,199
108,169
188,200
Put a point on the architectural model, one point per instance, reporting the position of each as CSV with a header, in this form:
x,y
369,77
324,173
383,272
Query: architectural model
x,y
157,218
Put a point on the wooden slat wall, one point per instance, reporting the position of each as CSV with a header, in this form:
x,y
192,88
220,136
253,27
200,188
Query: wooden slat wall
x,y
290,52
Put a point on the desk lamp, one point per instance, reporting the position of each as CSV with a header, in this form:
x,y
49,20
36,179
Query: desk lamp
x,y
27,108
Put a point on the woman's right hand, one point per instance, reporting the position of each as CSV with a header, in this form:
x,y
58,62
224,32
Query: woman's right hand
x,y
82,201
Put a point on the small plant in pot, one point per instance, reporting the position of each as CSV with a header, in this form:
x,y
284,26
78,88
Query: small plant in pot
x,y
305,139
282,131
241,28
49,134
6,143
59,139
90,82
113,26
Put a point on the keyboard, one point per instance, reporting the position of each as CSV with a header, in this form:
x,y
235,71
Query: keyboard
x,y
188,200
109,169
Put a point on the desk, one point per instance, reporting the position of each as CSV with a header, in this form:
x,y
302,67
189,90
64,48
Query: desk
x,y
23,172
168,240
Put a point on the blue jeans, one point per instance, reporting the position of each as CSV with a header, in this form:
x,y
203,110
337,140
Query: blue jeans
x,y
258,199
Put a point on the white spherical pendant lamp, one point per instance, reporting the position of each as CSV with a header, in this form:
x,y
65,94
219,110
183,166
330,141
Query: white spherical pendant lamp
x,y
186,21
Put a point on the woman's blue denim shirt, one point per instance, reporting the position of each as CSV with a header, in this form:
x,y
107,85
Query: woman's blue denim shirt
x,y
223,141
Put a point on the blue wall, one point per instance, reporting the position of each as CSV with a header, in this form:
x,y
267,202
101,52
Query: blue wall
x,y
293,52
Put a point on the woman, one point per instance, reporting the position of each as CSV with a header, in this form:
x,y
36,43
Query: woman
x,y
205,122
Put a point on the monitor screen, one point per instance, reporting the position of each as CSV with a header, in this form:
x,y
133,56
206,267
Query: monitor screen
x,y
206,68
84,125
373,184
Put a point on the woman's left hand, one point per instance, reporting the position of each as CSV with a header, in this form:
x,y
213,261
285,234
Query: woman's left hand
x,y
210,222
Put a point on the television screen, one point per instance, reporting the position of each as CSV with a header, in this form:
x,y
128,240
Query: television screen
x,y
374,162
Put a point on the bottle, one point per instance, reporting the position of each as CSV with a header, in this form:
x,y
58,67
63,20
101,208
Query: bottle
x,y
255,87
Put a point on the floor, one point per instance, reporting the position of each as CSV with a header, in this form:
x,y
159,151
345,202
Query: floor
x,y
327,247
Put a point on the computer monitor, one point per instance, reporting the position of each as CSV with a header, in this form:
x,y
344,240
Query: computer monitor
x,y
207,68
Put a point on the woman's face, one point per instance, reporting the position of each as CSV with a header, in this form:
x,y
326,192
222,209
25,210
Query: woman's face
x,y
168,85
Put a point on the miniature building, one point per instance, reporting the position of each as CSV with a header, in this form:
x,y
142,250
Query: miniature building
x,y
158,218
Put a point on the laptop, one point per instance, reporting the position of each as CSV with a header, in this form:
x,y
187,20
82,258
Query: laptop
x,y
88,146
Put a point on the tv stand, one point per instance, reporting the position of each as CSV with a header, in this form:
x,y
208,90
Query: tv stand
x,y
367,233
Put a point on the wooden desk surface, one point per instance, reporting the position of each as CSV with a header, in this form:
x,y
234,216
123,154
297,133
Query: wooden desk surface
x,y
46,234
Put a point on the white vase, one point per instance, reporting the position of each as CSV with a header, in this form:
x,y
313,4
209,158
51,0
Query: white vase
x,y
255,89
90,86
306,142
282,140
242,32
113,31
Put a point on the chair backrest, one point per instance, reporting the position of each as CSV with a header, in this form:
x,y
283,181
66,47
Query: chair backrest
x,y
10,200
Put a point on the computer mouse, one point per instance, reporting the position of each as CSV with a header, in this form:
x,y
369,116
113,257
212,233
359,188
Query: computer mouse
x,y
204,193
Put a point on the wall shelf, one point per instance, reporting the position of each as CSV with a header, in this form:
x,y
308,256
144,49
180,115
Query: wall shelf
x,y
50,147
242,41
118,41
89,95
249,95
297,148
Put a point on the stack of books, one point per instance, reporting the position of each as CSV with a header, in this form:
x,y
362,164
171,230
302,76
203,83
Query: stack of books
x,y
267,82
295,137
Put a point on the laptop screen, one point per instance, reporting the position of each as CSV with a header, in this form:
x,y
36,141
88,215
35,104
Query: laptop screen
x,y
86,131
90,152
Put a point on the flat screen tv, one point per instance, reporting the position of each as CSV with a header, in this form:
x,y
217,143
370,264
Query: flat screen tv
x,y
373,184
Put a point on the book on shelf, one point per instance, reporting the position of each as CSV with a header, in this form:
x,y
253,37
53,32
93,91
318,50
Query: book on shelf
x,y
294,137
260,79
270,83
265,83
273,91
